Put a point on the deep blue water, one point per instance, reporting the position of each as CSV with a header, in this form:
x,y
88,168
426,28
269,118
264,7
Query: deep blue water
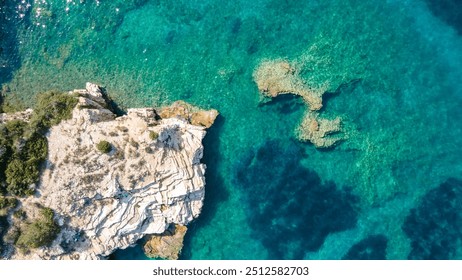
x,y
392,70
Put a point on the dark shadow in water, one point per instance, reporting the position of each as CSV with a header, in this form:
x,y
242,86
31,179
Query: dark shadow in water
x,y
373,247
435,226
235,25
9,54
289,208
131,253
112,105
284,104
450,11
215,191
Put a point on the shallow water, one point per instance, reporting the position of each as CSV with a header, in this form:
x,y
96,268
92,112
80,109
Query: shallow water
x,y
392,69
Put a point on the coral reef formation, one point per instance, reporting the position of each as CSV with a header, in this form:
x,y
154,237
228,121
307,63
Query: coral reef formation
x,y
276,77
141,185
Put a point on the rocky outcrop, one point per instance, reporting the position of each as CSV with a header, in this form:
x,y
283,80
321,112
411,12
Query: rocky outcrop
x,y
22,116
151,178
319,131
192,114
166,245
276,77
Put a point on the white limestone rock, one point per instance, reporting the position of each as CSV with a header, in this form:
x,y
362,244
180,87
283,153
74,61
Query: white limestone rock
x,y
21,116
109,201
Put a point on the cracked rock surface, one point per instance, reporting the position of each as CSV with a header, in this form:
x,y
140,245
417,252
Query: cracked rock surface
x,y
151,178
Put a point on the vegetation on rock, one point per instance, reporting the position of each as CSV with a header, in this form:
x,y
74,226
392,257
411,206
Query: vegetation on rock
x,y
10,103
51,108
23,146
8,202
153,135
104,146
40,232
3,228
19,176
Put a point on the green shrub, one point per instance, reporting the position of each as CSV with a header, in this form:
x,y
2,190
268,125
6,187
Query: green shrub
x,y
20,214
36,148
40,232
8,202
5,154
20,168
51,108
104,146
12,104
153,135
4,225
15,129
20,175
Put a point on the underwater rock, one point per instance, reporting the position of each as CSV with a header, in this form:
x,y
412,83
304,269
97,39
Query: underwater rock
x,y
290,209
108,201
166,245
373,247
316,129
435,225
276,77
190,113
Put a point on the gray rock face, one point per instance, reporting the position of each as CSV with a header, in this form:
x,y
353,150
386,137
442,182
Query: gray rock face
x,y
108,201
21,116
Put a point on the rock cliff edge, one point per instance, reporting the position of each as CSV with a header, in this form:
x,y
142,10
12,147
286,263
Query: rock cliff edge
x,y
148,179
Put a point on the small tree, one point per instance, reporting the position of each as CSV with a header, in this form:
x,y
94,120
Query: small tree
x,y
153,135
104,146
20,175
8,202
40,232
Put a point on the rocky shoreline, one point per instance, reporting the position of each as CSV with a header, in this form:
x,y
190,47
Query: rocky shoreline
x,y
147,178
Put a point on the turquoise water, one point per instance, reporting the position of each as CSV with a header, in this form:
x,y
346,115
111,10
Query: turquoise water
x,y
393,71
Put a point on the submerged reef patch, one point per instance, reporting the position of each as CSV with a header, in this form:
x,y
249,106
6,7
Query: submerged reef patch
x,y
291,209
276,77
435,226
373,247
